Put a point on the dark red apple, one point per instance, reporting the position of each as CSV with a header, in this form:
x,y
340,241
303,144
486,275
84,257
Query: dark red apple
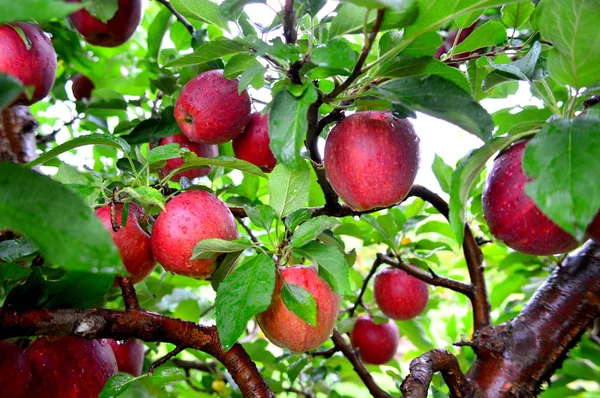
x,y
253,144
114,32
34,63
209,109
202,150
129,355
377,344
594,229
69,367
286,329
512,216
15,374
131,240
82,87
399,295
371,159
188,219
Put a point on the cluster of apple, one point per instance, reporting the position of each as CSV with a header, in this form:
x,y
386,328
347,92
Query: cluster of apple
x,y
66,366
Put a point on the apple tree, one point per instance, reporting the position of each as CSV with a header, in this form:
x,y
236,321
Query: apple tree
x,y
204,198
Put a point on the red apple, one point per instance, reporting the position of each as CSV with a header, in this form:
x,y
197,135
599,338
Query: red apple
x,y
371,159
69,367
82,87
15,373
594,229
34,64
209,109
377,344
202,150
400,295
512,216
114,32
188,219
131,240
286,329
129,355
253,144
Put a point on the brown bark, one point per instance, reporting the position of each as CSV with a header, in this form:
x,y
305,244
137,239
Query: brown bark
x,y
17,135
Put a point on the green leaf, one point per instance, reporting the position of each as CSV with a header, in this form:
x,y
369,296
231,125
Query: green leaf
x,y
209,51
261,215
254,76
233,8
90,139
522,69
167,374
207,248
407,66
146,196
310,229
156,32
154,129
238,64
288,189
297,217
440,98
572,28
35,10
78,290
117,385
201,10
515,15
490,33
332,265
288,124
10,89
562,160
300,302
224,268
463,177
337,54
253,283
103,10
426,44
11,250
350,18
12,272
442,172
65,230
163,152
191,161
526,119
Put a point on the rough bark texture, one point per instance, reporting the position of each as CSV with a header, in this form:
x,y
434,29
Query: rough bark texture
x,y
17,135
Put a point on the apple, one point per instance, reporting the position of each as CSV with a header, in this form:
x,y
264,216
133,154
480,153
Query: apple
x,y
189,218
286,329
594,229
82,87
202,150
371,159
131,240
69,367
376,344
15,374
399,295
34,64
253,144
129,355
114,32
209,109
512,216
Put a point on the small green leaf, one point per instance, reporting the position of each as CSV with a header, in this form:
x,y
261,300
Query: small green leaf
x,y
163,152
238,64
156,32
253,283
490,33
332,265
78,290
254,76
36,10
209,51
233,8
117,385
525,68
516,14
224,268
288,189
297,217
192,161
261,215
103,10
337,54
167,374
154,129
201,10
442,172
10,89
11,250
310,229
146,196
300,302
207,248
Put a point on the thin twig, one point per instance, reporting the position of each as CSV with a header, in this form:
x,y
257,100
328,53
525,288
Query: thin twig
x,y
129,294
190,28
247,229
208,367
359,301
45,139
164,359
326,353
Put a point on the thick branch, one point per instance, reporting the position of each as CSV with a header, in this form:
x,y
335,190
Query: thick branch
x,y
289,30
179,17
17,135
146,326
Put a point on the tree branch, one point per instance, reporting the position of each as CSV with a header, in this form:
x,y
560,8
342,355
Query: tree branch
x,y
190,28
378,261
129,294
17,135
208,367
289,30
164,359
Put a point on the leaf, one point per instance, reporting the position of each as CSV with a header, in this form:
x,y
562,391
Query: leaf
x,y
522,69
515,15
78,290
163,152
261,215
90,139
572,28
526,119
156,32
490,33
288,124
223,269
11,250
562,160
10,89
407,66
191,161
167,374
440,98
103,10
233,8
238,64
463,177
253,283
337,54
297,217
201,10
254,75
207,248
146,196
442,172
300,302
332,265
310,229
35,10
117,385
65,230
209,51
350,18
154,129
288,189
